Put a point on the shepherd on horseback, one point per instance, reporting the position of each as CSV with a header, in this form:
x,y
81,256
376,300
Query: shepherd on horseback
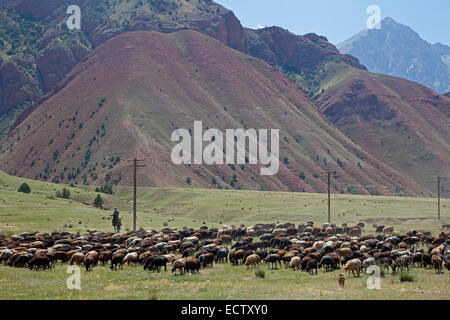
x,y
116,221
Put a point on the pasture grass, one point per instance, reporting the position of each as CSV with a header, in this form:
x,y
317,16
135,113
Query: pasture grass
x,y
223,281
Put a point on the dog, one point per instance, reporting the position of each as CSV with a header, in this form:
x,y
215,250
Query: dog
x,y
341,280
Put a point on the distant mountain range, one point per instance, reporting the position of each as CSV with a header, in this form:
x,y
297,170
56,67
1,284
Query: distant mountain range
x,y
74,102
398,50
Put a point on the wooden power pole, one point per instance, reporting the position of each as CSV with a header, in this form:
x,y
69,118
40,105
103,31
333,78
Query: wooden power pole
x,y
439,197
135,166
329,198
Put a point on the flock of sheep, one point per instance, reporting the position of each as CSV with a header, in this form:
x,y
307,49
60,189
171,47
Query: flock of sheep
x,y
304,247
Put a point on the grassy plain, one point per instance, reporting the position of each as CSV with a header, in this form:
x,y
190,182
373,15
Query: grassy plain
x,y
42,211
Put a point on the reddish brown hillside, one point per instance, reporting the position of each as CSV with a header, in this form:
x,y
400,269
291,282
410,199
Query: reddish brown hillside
x,y
402,123
136,88
45,50
303,54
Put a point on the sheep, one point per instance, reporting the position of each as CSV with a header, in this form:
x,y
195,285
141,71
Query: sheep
x,y
38,245
77,258
355,232
19,259
89,262
169,257
403,262
318,245
252,260
186,245
178,264
344,252
328,262
192,239
159,262
131,257
388,229
105,256
206,259
39,261
273,259
437,263
226,239
188,252
117,259
237,256
61,256
148,261
295,263
94,255
192,265
287,259
222,255
353,265
311,265
5,255
368,262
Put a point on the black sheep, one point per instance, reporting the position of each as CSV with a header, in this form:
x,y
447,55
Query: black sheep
x,y
38,262
311,265
159,262
327,262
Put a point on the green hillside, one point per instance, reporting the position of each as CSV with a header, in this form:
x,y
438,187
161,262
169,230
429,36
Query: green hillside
x,y
158,207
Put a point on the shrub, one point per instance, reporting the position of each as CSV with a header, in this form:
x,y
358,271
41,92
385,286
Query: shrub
x,y
98,201
407,277
260,274
301,175
188,180
64,193
107,188
24,188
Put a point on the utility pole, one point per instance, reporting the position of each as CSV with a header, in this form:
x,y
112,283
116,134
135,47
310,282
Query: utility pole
x,y
439,197
135,166
329,198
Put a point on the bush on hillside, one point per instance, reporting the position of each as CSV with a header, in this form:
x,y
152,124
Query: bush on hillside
x,y
98,201
64,193
24,188
107,188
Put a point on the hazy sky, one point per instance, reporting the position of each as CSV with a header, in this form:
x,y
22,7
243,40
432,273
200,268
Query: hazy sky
x,y
338,20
